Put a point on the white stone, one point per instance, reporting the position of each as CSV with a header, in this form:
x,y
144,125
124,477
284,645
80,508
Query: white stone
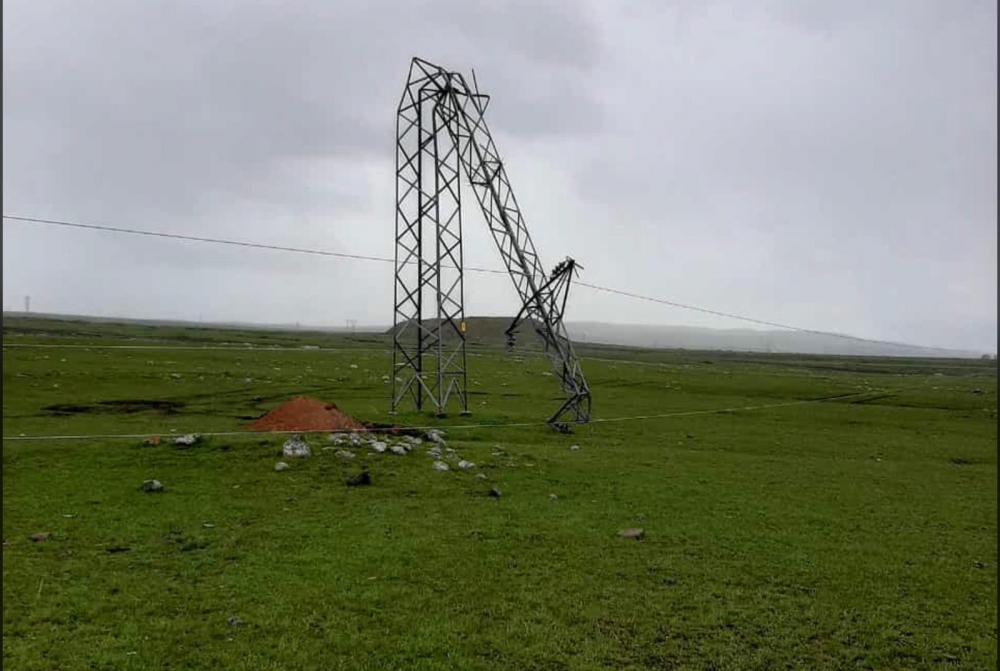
x,y
281,466
466,465
151,486
378,446
295,447
439,466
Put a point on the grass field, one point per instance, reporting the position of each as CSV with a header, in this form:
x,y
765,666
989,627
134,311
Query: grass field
x,y
853,533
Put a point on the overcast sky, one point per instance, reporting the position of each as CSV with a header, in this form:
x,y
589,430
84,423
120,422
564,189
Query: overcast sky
x,y
826,164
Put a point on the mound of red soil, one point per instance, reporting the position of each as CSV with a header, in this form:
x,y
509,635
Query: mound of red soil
x,y
306,414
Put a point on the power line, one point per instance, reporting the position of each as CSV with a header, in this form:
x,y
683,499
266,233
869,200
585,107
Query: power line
x,y
383,259
223,241
193,238
730,315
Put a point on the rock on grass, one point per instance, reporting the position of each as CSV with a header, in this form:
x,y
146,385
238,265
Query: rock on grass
x,y
362,479
187,440
295,447
151,486
637,534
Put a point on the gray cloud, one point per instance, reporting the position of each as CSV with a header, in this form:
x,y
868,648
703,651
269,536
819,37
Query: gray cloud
x,y
825,163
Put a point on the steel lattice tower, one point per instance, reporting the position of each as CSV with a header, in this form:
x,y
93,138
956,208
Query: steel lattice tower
x,y
428,354
441,132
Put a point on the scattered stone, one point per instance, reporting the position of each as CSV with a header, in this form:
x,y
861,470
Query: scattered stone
x,y
574,447
435,452
435,436
295,447
553,497
41,536
354,439
187,440
637,534
336,438
412,440
378,446
494,493
208,525
234,621
397,449
978,564
481,476
466,465
151,486
362,479
439,466
281,466
176,376
344,454
117,549
154,440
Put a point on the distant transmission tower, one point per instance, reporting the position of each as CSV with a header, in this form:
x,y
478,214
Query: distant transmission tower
x,y
27,303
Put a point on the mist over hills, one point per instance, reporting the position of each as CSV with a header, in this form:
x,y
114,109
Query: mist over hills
x,y
489,331
746,340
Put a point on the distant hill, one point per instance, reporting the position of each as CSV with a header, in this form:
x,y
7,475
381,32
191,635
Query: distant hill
x,y
746,340
489,332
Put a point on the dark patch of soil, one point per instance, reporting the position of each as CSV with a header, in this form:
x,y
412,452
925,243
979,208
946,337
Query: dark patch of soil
x,y
123,407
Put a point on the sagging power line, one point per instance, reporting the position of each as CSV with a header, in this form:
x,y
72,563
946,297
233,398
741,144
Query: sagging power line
x,y
494,271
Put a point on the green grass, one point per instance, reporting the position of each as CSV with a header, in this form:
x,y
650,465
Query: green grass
x,y
837,534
